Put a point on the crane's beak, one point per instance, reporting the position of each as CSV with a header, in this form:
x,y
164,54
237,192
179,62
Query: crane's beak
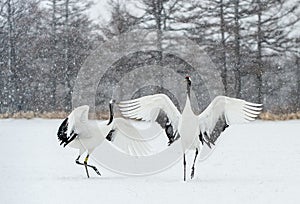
x,y
112,101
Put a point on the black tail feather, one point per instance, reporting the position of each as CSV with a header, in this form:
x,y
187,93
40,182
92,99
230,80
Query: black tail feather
x,y
172,136
62,132
110,136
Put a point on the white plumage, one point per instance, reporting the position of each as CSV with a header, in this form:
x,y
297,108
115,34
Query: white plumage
x,y
78,132
194,130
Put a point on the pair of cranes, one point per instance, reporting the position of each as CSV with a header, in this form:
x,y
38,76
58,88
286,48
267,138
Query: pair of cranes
x,y
194,131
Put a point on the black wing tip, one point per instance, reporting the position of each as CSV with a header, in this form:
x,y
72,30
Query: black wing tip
x,y
110,136
62,132
209,141
173,139
225,126
172,136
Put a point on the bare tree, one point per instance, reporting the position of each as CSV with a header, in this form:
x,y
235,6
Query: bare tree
x,y
121,20
71,39
161,16
210,27
274,23
13,14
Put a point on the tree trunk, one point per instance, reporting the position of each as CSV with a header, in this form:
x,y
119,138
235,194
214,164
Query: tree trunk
x,y
259,54
10,36
68,97
237,62
158,7
158,19
12,75
298,83
53,79
223,51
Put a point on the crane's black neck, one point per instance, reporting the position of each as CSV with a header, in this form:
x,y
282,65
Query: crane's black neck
x,y
189,84
111,113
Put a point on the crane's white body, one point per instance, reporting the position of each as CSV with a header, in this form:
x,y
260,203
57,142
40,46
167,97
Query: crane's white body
x,y
194,130
92,133
188,128
188,124
80,133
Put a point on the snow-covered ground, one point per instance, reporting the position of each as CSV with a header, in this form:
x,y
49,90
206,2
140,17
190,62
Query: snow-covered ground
x,y
254,163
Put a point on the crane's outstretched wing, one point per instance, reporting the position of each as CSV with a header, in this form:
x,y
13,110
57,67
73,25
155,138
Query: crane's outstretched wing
x,y
69,128
148,107
127,138
222,112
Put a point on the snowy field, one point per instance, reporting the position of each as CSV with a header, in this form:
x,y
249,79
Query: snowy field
x,y
254,163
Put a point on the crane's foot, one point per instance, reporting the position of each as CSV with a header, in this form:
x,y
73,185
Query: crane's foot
x,y
86,169
86,165
95,169
192,174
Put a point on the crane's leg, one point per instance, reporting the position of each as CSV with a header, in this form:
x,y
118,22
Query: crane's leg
x,y
193,168
87,165
184,167
93,167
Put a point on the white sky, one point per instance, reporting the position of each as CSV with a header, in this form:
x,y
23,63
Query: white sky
x,y
100,10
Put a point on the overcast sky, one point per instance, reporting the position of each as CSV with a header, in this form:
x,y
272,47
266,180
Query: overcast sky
x,y
100,9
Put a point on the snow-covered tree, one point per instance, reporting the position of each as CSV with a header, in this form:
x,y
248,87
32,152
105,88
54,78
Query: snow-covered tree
x,y
72,37
18,36
121,20
270,23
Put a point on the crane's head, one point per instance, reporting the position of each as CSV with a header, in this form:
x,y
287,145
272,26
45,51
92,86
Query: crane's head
x,y
188,80
112,102
189,83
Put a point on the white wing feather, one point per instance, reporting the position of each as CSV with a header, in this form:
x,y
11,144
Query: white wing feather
x,y
234,110
128,139
147,108
77,119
